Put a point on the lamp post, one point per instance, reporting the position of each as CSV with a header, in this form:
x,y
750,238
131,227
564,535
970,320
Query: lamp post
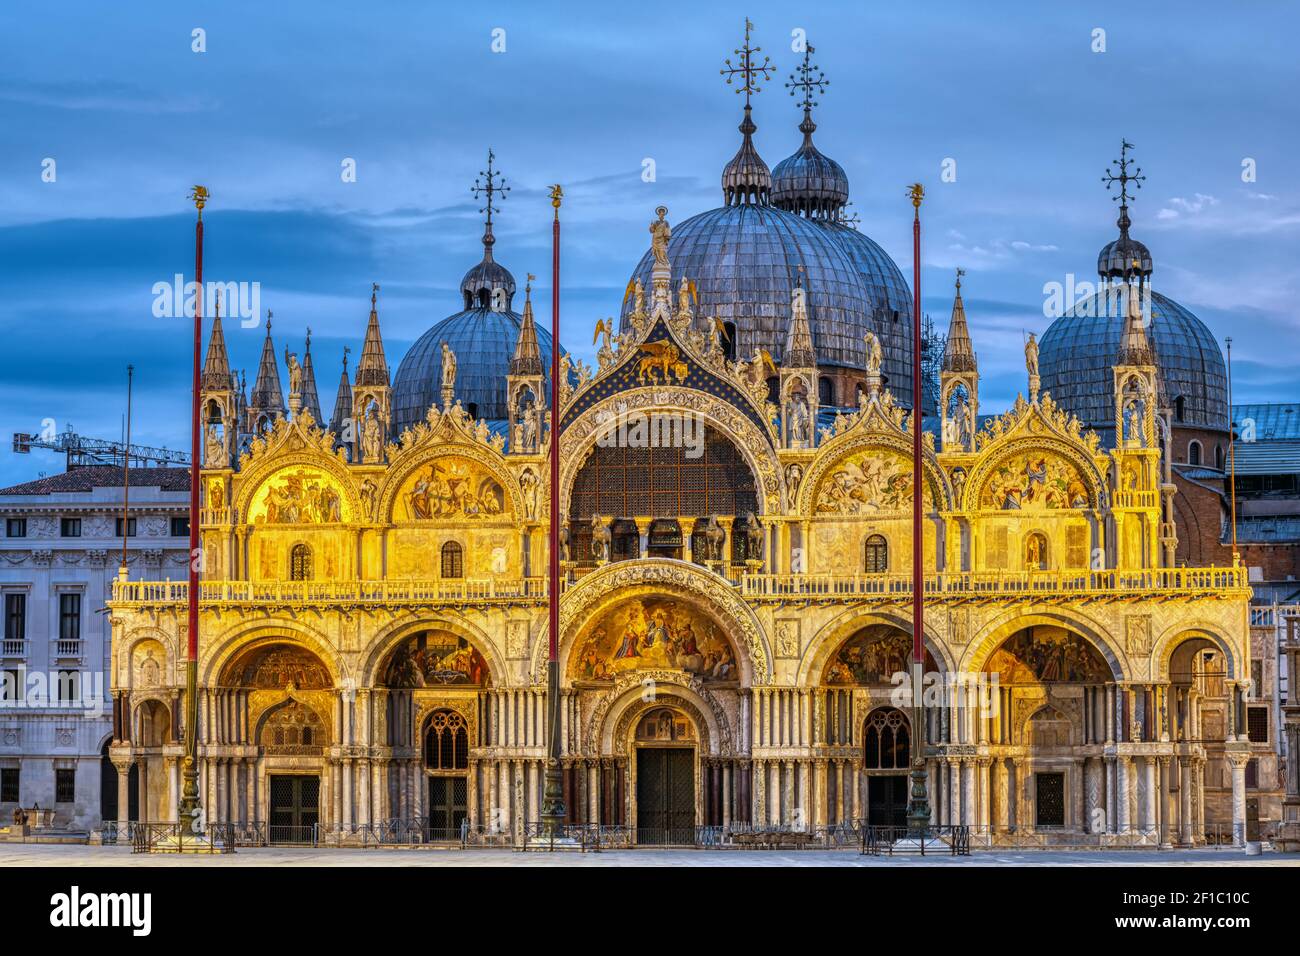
x,y
918,801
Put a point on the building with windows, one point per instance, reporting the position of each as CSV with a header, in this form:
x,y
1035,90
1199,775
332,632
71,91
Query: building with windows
x,y
735,499
60,553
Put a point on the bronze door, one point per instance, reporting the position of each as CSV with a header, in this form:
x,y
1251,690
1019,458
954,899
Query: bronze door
x,y
887,801
1050,803
448,807
665,795
295,808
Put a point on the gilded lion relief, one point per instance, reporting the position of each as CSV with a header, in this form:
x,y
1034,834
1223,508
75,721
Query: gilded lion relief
x,y
870,482
873,656
450,487
1040,655
654,634
1034,482
299,496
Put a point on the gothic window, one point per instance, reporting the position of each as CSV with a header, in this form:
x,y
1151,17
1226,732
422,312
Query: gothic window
x,y
1193,453
294,729
453,560
886,743
446,741
300,563
877,555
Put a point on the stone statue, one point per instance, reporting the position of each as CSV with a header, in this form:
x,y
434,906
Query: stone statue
x,y
528,485
215,447
793,475
295,372
660,233
1031,356
448,367
874,358
713,539
753,538
530,427
958,483
638,297
684,298
798,419
371,435
599,539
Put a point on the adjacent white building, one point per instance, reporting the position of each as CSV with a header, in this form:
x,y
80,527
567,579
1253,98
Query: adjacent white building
x,y
60,549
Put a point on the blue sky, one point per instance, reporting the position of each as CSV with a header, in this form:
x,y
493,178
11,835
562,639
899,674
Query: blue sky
x,y
582,94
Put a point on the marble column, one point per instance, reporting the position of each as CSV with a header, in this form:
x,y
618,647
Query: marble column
x,y
1002,773
968,817
1165,841
1123,788
1185,802
1238,763
1149,821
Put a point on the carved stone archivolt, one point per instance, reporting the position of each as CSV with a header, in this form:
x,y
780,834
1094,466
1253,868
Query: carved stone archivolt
x,y
631,696
579,437
623,580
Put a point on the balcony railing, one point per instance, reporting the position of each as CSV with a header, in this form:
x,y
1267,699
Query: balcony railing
x,y
446,591
68,648
954,585
13,647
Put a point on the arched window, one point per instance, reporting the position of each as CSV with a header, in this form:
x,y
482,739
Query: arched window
x,y
1036,551
886,740
876,555
1193,452
453,560
1180,408
300,563
1218,457
729,341
446,741
825,392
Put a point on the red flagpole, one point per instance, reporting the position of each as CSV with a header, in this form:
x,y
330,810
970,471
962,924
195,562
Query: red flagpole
x,y
189,811
553,809
918,803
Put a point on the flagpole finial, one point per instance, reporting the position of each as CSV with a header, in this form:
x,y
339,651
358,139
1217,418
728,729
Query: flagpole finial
x,y
557,195
917,192
199,195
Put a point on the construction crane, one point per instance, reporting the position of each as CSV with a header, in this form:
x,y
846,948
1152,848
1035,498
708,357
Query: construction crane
x,y
82,451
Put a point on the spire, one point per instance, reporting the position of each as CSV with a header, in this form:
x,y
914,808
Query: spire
x,y
216,368
1134,346
372,369
746,179
799,351
958,354
343,400
527,359
310,400
268,396
488,285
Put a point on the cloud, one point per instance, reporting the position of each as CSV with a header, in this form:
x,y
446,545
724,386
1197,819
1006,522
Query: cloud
x,y
1179,205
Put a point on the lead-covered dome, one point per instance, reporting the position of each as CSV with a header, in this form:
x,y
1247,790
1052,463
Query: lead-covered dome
x,y
1078,351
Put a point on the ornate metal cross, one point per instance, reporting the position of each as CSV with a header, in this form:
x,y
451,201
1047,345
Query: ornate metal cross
x,y
749,72
1123,177
490,183
811,87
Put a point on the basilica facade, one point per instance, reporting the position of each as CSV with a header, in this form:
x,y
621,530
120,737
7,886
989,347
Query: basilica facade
x,y
735,502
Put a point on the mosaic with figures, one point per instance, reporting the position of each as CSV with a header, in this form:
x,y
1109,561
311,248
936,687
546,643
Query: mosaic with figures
x,y
873,656
1047,654
434,659
450,488
655,634
869,482
1034,482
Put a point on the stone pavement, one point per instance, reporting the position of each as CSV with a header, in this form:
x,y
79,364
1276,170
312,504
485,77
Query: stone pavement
x,y
20,855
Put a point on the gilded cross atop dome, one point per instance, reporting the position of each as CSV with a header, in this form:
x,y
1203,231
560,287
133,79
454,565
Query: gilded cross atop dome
x,y
811,80
1123,176
490,183
749,72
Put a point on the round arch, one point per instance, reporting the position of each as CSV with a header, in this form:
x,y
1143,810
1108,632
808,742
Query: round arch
x,y
996,633
578,439
839,449
832,635
257,633
125,651
272,462
389,638
979,476
409,461
613,719
1164,647
703,589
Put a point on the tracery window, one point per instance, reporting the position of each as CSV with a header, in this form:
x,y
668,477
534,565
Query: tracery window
x,y
446,741
294,729
887,743
876,555
453,560
300,563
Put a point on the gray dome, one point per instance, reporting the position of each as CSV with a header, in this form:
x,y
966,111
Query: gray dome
x,y
745,260
484,342
1124,256
1077,354
809,183
483,280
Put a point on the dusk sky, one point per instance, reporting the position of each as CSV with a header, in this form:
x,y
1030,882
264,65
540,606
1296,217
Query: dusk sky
x,y
582,95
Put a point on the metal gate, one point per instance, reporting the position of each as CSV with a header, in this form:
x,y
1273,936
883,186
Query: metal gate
x,y
295,809
1050,802
665,795
448,807
887,800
